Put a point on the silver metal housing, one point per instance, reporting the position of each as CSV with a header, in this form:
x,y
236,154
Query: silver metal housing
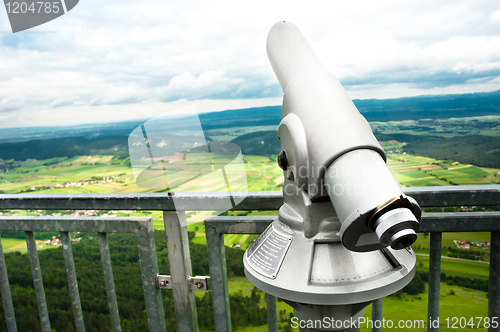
x,y
330,148
319,269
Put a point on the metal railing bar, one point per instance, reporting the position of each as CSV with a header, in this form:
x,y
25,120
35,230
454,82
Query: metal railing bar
x,y
109,282
434,280
494,283
215,228
180,270
239,225
73,224
377,315
218,279
72,282
460,222
483,195
149,270
272,317
8,306
431,222
38,282
258,200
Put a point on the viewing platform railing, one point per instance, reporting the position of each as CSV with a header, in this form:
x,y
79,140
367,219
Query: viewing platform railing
x,y
181,280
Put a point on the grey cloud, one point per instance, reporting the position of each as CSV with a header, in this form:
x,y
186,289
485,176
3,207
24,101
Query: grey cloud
x,y
422,80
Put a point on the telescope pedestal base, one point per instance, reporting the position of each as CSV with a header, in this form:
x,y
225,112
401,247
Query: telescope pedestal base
x,y
285,263
300,259
312,318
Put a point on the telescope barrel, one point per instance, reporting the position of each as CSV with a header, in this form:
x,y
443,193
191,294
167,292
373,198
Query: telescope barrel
x,y
317,112
331,150
290,53
327,253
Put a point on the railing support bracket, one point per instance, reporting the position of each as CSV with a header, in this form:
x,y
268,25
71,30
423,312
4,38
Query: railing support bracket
x,y
198,283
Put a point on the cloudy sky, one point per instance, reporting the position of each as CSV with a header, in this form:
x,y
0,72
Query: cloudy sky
x,y
117,60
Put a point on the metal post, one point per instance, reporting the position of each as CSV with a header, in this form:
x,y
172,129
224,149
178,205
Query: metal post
x,y
37,281
218,279
149,270
377,315
109,281
72,282
8,307
180,269
272,318
494,286
434,281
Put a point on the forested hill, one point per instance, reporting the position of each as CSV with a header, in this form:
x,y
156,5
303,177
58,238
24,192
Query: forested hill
x,y
259,143
430,107
473,149
66,147
470,149
396,109
112,139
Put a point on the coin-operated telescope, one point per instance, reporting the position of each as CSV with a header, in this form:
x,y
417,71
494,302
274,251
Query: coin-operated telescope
x,y
343,233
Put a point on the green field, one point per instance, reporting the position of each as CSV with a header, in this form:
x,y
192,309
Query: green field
x,y
456,267
103,174
418,171
11,245
472,303
449,237
96,174
85,174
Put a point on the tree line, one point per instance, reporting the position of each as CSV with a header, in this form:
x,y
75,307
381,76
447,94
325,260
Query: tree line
x,y
483,151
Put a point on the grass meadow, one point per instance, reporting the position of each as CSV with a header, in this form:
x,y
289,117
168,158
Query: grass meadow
x,y
455,301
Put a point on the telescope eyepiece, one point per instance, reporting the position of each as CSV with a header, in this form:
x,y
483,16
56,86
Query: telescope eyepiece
x,y
396,228
403,239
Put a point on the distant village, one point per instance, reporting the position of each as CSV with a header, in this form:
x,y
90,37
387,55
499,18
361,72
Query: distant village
x,y
107,179
462,244
57,242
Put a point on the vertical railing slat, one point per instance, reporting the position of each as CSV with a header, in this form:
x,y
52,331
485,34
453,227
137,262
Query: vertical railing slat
x,y
272,318
37,281
8,307
218,279
434,281
72,282
494,285
180,269
149,270
109,282
377,315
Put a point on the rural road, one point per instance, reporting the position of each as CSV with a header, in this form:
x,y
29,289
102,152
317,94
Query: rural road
x,y
459,259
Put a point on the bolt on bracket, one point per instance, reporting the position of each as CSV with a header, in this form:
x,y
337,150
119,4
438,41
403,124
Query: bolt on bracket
x,y
198,283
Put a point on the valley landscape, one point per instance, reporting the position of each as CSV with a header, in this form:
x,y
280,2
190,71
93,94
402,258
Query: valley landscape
x,y
430,145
